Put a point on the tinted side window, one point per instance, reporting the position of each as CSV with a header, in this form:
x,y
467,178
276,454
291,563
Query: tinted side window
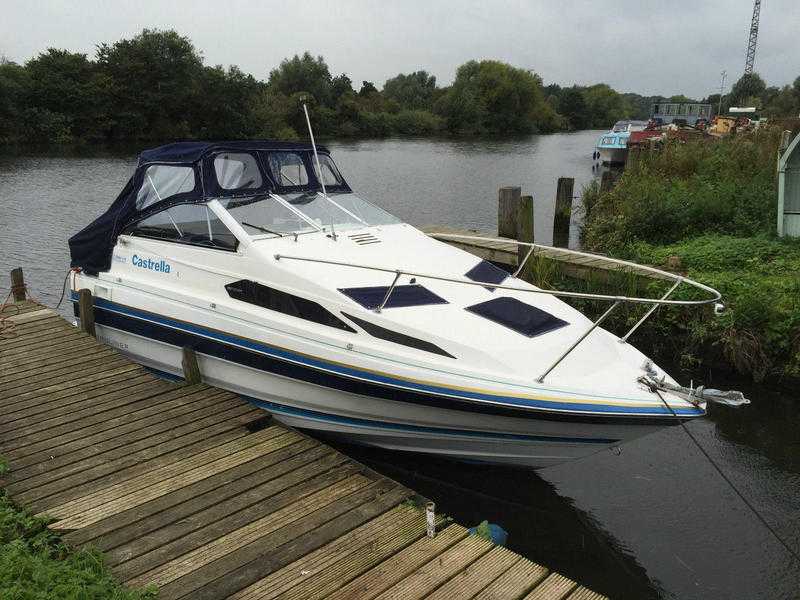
x,y
186,224
237,171
288,304
162,181
287,169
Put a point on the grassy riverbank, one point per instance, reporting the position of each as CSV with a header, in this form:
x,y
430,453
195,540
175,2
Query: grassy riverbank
x,y
35,563
708,209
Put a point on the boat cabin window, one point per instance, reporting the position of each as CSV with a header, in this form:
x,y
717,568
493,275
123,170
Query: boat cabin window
x,y
163,181
265,216
287,169
237,171
193,224
283,302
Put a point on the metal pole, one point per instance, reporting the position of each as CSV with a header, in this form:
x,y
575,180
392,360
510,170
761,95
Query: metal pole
x,y
579,340
650,312
389,292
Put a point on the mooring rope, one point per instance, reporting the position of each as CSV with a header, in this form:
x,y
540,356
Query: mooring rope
x,y
730,483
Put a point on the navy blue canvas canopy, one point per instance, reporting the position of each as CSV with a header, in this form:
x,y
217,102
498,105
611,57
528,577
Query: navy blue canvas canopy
x,y
92,247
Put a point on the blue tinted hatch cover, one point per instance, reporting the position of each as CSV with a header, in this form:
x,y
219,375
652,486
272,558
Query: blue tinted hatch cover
x,y
522,318
402,295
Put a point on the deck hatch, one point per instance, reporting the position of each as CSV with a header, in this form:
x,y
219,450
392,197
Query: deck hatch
x,y
283,302
486,272
402,295
522,318
396,337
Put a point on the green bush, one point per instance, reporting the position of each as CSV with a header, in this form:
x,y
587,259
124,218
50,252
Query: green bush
x,y
712,205
36,565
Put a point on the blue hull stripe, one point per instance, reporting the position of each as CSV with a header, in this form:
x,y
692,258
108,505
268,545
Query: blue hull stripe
x,y
109,309
291,411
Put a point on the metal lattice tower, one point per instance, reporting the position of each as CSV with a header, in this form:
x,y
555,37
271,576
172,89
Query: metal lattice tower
x,y
751,44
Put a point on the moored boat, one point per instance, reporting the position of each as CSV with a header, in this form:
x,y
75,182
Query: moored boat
x,y
338,317
612,146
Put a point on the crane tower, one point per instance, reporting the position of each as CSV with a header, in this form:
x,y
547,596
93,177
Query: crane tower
x,y
751,44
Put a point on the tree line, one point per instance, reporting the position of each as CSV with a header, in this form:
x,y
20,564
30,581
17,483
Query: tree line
x,y
155,87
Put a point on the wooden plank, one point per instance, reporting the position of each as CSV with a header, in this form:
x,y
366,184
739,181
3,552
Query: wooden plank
x,y
252,562
51,421
80,485
27,334
178,504
428,577
515,582
30,316
26,357
554,587
45,362
326,569
581,593
101,394
85,510
246,532
30,344
32,381
388,573
115,428
478,575
63,428
224,517
128,446
167,559
123,456
88,390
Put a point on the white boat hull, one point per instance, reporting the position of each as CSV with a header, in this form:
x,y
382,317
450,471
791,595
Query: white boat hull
x,y
610,156
527,442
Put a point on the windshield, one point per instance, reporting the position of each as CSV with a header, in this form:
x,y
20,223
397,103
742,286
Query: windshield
x,y
304,212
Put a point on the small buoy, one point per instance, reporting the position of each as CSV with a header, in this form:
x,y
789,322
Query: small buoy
x,y
490,531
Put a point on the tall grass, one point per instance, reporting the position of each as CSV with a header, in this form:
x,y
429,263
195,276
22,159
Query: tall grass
x,y
712,205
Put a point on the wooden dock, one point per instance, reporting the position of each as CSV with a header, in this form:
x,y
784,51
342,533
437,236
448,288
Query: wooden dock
x,y
503,251
192,489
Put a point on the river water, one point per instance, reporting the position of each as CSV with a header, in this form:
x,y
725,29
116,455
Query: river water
x,y
652,521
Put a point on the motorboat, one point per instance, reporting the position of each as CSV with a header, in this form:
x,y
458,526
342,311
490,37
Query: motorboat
x,y
337,317
612,146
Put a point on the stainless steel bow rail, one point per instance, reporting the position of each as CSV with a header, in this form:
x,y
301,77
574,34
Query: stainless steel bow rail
x,y
625,266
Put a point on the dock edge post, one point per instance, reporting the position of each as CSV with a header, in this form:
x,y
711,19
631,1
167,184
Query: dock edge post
x,y
563,212
86,311
191,368
430,519
18,285
507,206
525,234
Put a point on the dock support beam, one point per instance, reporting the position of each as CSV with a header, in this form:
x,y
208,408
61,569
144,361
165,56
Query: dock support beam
x,y
563,212
525,234
86,311
507,206
18,285
191,369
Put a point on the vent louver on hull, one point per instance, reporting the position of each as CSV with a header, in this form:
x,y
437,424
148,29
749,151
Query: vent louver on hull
x,y
362,239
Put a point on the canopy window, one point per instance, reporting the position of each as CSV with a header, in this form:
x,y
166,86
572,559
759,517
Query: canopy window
x,y
237,171
193,224
161,182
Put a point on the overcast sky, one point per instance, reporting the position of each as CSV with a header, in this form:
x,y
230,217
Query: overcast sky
x,y
646,46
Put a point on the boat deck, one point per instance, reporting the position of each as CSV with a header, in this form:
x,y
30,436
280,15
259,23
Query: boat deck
x,y
193,490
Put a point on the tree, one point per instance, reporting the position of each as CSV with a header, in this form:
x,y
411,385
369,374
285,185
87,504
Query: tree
x,y
303,74
748,90
367,89
414,91
572,105
13,90
340,85
155,78
493,97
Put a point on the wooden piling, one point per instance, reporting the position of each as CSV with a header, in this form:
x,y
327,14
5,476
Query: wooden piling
x,y
607,181
507,205
524,229
191,369
18,285
563,212
86,311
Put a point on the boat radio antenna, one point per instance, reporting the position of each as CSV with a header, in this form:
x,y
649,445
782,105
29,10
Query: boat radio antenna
x,y
316,160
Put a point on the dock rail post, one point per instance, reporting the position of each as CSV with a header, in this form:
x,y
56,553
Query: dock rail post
x,y
18,285
524,234
86,311
191,369
507,204
563,212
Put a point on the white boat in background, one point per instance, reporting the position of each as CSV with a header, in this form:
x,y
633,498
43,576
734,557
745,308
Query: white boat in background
x,y
612,146
337,317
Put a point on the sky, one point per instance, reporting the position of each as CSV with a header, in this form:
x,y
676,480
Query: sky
x,y
645,46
